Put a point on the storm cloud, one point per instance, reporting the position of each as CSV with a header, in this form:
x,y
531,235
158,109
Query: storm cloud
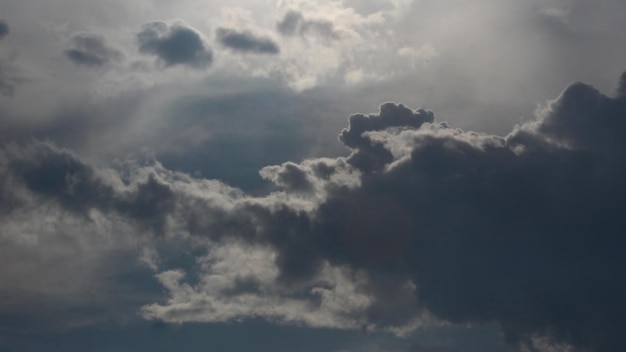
x,y
523,231
355,175
245,41
174,44
91,50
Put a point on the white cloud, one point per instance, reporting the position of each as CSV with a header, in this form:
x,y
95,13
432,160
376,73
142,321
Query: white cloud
x,y
238,281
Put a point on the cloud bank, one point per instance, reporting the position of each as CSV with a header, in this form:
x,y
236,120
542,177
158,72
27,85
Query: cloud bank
x,y
422,224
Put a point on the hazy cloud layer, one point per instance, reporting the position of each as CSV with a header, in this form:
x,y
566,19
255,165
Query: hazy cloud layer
x,y
174,44
91,50
448,226
246,41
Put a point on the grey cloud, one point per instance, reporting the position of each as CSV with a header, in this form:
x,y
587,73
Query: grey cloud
x,y
369,156
290,176
56,173
592,118
523,231
175,44
294,23
71,262
91,50
4,29
247,42
78,187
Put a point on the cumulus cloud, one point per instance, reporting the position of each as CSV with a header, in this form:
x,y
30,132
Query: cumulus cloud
x,y
4,29
91,50
294,23
440,225
175,44
246,41
522,231
369,156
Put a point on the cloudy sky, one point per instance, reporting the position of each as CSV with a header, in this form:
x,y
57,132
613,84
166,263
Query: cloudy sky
x,y
315,176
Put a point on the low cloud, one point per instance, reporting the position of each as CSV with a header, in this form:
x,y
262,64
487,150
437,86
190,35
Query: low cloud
x,y
91,50
175,44
246,42
439,225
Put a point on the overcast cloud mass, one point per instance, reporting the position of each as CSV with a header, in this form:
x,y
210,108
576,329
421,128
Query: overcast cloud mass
x,y
379,175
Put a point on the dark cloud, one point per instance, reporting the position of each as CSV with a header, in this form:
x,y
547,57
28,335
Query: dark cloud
x,y
294,23
522,231
4,29
175,44
246,41
525,232
369,156
91,50
78,187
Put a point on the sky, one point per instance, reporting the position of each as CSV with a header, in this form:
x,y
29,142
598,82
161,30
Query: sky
x,y
315,176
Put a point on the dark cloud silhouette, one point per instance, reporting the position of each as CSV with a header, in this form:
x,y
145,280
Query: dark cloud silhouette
x,y
4,29
525,231
175,44
246,41
369,156
294,23
91,50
